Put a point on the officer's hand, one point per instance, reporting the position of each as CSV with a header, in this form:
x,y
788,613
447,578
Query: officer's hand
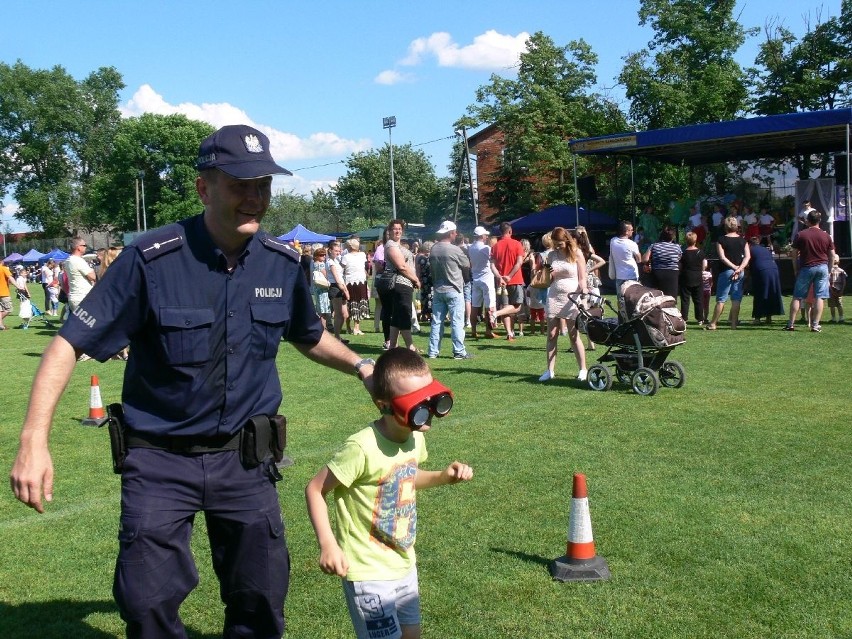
x,y
32,473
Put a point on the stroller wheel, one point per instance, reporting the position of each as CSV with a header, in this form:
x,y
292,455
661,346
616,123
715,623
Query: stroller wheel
x,y
644,381
672,374
599,378
623,376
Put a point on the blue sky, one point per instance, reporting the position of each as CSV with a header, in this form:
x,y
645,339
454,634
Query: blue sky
x,y
318,77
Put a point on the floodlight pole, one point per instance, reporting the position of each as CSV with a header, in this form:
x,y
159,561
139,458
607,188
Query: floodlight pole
x,y
389,123
144,214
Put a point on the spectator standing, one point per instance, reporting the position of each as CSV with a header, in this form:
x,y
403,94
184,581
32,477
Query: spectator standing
x,y
81,276
568,275
447,263
813,253
320,293
508,256
483,273
836,284
421,262
355,275
399,266
46,277
338,294
624,256
594,263
204,303
692,266
6,280
664,257
765,283
734,256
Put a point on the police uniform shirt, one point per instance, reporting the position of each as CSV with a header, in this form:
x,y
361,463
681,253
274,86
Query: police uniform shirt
x,y
203,340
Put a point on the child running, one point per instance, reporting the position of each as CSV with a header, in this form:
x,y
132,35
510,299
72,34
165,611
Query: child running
x,y
836,284
374,478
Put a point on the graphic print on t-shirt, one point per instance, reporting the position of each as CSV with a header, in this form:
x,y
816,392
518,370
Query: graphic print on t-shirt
x,y
395,512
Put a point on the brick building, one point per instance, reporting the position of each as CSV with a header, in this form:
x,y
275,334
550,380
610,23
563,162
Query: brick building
x,y
487,145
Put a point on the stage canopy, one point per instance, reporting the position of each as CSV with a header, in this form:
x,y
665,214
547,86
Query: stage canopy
x,y
770,136
303,234
565,216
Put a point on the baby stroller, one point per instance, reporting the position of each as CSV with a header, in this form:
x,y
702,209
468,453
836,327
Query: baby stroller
x,y
28,311
638,341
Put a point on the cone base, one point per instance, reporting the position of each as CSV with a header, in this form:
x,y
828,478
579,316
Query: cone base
x,y
94,421
566,569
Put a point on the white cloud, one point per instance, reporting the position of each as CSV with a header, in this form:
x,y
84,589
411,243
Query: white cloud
x,y
285,147
391,77
489,51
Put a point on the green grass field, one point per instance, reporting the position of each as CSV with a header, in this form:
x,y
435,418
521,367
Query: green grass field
x,y
724,508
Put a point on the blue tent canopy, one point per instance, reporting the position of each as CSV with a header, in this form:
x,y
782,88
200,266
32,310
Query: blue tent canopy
x,y
12,257
31,256
565,216
770,136
302,234
57,255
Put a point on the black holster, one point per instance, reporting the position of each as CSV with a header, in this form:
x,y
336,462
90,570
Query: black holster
x,y
117,439
262,437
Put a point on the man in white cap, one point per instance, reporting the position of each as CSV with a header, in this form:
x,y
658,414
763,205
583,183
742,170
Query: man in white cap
x,y
483,272
447,263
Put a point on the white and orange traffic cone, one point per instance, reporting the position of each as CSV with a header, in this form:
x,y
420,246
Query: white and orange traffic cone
x,y
97,414
580,563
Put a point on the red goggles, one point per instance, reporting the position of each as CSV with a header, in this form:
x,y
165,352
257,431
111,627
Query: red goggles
x,y
416,408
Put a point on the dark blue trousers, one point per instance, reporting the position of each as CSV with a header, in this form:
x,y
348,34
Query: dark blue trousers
x,y
161,492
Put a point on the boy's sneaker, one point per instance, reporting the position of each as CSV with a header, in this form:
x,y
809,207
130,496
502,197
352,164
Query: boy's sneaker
x,y
816,328
789,327
432,356
462,356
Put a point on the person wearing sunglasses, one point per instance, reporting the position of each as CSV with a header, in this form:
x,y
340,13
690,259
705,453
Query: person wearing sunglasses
x,y
374,479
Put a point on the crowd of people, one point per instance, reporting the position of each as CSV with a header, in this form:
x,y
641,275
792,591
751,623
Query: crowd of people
x,y
204,305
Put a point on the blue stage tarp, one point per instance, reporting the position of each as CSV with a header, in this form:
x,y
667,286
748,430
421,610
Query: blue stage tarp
x,y
303,234
31,256
770,136
564,216
57,255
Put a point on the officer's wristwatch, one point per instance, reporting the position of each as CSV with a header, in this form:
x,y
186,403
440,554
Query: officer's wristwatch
x,y
361,364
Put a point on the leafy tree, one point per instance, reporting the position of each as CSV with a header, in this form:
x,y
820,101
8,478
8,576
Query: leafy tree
x,y
367,185
163,149
54,133
810,74
550,101
686,75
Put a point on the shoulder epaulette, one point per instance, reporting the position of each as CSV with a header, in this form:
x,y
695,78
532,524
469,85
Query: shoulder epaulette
x,y
160,242
279,246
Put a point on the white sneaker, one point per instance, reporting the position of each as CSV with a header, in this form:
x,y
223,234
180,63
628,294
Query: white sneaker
x,y
546,376
582,374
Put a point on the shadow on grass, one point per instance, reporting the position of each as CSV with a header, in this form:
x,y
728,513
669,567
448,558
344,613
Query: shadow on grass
x,y
61,618
531,559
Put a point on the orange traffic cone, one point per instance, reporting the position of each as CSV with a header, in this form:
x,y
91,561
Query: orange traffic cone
x,y
580,563
97,414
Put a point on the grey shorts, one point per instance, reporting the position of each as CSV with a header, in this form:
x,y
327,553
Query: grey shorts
x,y
379,608
6,304
516,294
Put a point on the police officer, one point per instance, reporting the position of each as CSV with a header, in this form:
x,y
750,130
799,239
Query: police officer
x,y
204,304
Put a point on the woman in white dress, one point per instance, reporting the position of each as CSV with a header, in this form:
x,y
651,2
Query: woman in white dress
x,y
355,275
568,275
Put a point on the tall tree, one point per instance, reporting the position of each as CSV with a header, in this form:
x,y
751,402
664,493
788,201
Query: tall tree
x,y
686,75
367,184
159,150
807,74
550,101
54,133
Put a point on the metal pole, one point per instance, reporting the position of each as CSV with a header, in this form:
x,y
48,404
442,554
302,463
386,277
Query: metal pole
x,y
848,193
632,192
576,196
393,183
144,213
458,190
470,179
138,227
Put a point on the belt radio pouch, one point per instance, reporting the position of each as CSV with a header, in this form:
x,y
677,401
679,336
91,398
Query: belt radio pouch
x,y
263,436
117,440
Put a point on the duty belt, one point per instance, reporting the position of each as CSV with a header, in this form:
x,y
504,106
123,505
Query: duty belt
x,y
183,444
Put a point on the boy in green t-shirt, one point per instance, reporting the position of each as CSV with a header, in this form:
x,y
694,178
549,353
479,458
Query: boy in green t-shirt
x,y
374,478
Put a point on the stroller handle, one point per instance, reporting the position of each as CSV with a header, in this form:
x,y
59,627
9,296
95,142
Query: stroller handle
x,y
594,298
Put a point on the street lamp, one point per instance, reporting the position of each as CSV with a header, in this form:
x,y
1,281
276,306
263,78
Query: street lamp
x,y
389,123
144,215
